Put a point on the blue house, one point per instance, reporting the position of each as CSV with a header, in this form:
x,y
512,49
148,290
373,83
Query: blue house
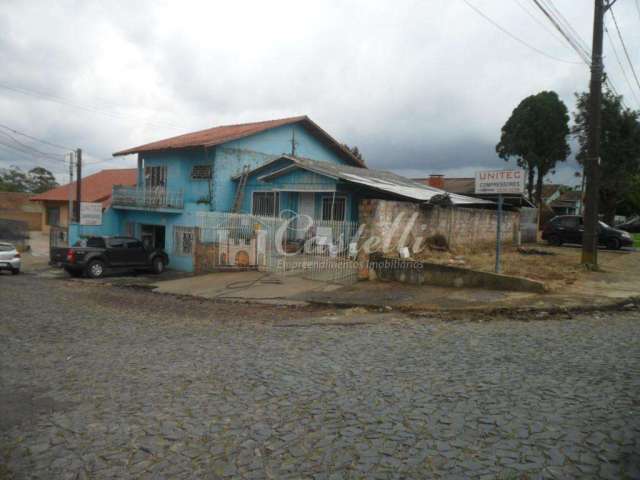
x,y
269,169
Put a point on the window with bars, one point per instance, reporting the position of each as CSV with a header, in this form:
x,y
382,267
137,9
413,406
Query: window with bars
x,y
266,204
184,239
155,176
201,172
334,208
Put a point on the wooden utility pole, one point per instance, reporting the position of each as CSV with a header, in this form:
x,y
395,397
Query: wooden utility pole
x,y
78,183
592,164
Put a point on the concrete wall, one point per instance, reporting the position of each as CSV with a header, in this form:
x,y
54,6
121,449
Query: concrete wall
x,y
16,206
462,227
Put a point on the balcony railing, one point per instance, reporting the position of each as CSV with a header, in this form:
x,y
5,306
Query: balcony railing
x,y
147,198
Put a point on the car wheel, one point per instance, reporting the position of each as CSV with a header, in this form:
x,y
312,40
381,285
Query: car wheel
x,y
95,269
15,271
613,244
554,240
157,265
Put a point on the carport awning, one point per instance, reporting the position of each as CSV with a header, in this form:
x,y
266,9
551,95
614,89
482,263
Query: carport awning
x,y
387,182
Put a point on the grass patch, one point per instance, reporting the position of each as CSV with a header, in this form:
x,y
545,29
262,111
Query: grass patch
x,y
636,239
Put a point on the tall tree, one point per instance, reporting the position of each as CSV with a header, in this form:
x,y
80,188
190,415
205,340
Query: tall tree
x,y
536,136
40,180
619,149
355,151
36,180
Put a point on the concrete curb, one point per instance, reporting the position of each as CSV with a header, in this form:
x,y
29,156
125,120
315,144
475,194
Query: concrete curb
x,y
427,273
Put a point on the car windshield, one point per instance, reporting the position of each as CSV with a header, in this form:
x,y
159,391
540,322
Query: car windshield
x,y
603,225
5,247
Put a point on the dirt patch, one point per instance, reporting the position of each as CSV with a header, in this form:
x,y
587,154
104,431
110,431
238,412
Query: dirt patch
x,y
555,267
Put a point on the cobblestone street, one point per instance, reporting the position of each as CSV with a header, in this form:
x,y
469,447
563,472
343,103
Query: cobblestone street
x,y
99,382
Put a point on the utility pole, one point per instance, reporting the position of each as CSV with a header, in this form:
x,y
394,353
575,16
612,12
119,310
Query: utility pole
x,y
78,183
592,164
70,210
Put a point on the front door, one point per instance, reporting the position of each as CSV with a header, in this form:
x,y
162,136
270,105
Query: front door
x,y
152,236
306,212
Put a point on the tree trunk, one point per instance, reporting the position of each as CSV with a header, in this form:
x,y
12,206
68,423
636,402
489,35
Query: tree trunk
x,y
531,173
608,207
539,189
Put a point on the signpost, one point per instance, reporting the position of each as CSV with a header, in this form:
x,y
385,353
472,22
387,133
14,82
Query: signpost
x,y
500,182
90,213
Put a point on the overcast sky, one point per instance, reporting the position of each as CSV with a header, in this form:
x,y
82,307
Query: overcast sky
x,y
419,86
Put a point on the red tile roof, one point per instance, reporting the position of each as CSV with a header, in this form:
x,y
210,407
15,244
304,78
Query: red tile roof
x,y
95,188
226,133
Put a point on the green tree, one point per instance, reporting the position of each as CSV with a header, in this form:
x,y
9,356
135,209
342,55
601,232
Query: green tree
x,y
536,136
13,179
36,180
354,151
619,149
40,180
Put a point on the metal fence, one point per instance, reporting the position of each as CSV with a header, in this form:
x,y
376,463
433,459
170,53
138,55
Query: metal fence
x,y
320,250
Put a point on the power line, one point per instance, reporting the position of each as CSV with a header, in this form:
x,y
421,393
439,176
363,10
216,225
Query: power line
x,y
30,148
541,23
18,132
519,40
568,37
91,109
624,73
584,46
624,48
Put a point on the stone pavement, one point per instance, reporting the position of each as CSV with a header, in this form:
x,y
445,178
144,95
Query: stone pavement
x,y
118,383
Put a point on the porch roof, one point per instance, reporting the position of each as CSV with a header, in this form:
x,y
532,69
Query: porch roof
x,y
383,181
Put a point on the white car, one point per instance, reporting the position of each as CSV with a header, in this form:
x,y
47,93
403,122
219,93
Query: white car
x,y
9,258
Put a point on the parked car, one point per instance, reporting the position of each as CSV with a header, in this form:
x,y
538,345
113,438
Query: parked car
x,y
9,258
569,229
631,226
95,255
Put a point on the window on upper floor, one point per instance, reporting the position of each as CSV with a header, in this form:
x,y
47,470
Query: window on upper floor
x,y
201,172
266,204
155,176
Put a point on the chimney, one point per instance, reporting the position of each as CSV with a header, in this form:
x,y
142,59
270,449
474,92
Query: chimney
x,y
436,181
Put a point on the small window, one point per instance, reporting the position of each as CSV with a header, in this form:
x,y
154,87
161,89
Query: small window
x,y
334,208
184,238
266,204
116,243
201,172
53,216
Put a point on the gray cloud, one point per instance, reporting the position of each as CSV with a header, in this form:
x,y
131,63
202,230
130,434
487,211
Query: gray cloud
x,y
420,87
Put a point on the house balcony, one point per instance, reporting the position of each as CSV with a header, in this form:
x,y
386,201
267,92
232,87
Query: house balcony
x,y
155,199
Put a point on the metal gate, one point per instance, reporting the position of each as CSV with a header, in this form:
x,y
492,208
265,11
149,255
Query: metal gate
x,y
319,250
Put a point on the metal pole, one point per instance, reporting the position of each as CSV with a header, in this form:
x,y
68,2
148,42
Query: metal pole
x,y
70,207
499,234
590,236
78,183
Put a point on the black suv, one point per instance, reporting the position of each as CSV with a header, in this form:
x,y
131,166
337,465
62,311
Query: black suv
x,y
94,255
569,229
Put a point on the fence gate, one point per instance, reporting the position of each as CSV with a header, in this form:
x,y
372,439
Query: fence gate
x,y
319,250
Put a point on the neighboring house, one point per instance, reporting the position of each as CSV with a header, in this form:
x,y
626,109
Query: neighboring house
x,y
567,203
95,188
466,186
270,169
16,206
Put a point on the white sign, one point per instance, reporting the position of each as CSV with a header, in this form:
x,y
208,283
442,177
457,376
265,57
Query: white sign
x,y
500,181
90,213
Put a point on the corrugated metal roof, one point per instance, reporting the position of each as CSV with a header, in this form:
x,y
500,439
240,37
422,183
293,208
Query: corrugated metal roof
x,y
226,133
376,179
95,188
